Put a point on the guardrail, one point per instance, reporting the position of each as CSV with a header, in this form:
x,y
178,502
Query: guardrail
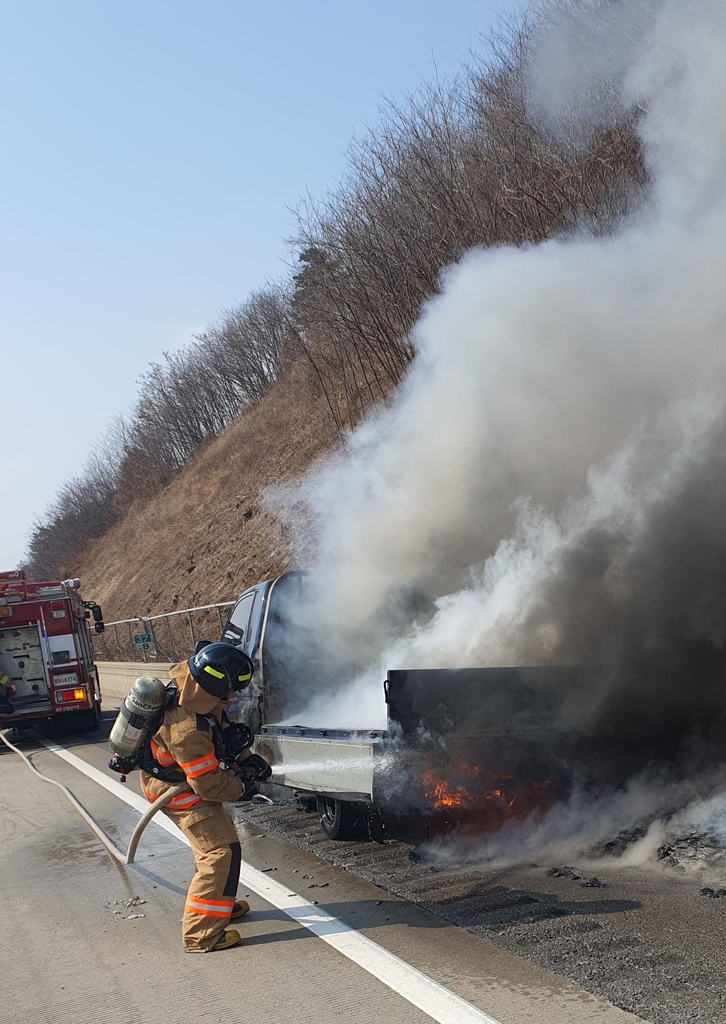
x,y
172,635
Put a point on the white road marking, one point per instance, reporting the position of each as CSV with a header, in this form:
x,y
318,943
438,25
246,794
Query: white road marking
x,y
417,988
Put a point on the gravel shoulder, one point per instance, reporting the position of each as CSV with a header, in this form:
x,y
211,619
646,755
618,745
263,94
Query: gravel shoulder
x,y
644,939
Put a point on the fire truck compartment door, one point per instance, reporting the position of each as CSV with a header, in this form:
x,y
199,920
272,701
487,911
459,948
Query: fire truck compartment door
x,y
62,650
21,658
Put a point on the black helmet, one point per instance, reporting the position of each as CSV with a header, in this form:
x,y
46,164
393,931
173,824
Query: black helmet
x,y
219,668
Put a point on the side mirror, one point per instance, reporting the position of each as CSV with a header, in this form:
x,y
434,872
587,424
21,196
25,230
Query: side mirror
x,y
97,613
99,627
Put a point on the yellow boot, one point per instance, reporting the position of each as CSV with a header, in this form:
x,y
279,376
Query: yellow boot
x,y
240,908
226,940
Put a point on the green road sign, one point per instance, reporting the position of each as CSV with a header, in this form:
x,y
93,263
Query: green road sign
x,y
144,642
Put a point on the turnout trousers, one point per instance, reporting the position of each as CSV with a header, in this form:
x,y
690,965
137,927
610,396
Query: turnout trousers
x,y
213,889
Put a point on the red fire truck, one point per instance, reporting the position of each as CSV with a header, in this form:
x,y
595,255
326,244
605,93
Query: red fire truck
x,y
45,651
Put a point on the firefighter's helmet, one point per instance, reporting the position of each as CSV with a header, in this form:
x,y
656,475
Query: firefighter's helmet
x,y
219,668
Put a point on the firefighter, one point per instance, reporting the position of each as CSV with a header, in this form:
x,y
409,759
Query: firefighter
x,y
6,689
184,748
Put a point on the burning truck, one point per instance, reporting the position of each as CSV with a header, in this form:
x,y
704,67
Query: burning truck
x,y
463,749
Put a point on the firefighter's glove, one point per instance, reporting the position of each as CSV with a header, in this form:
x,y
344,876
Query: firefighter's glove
x,y
253,769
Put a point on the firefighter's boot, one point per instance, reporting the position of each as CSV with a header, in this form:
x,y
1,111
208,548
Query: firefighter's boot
x,y
240,908
226,940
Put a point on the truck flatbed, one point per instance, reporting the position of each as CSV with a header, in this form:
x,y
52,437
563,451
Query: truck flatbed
x,y
486,742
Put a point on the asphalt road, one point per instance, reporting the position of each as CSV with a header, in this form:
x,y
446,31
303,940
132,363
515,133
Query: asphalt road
x,y
644,938
85,940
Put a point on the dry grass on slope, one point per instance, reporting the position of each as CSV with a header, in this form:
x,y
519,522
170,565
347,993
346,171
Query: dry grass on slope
x,y
206,537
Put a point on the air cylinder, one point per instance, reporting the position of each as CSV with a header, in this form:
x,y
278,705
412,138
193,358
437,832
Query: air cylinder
x,y
138,711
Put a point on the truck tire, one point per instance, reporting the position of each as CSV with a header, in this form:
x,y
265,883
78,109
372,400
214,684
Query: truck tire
x,y
84,721
341,819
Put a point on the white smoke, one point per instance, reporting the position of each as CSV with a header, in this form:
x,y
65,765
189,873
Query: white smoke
x,y
607,829
554,386
550,478
549,484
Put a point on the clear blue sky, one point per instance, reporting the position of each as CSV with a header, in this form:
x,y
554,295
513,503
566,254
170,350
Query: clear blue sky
x,y
148,154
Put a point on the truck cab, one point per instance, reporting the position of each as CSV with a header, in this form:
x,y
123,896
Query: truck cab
x,y
332,768
257,622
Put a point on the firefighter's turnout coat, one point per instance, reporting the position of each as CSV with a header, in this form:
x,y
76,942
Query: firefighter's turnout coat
x,y
6,689
185,743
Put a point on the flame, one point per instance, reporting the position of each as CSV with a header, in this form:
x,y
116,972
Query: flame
x,y
486,803
441,795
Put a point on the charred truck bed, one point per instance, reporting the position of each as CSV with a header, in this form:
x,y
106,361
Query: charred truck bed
x,y
463,748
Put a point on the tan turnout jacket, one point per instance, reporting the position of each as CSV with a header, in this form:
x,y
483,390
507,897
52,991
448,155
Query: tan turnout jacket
x,y
185,743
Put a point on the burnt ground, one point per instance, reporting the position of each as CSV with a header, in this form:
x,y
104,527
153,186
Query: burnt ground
x,y
645,939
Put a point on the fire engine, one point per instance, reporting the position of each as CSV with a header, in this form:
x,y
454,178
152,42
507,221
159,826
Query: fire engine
x,y
45,651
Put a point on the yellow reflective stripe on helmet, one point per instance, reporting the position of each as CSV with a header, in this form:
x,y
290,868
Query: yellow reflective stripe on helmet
x,y
213,672
244,679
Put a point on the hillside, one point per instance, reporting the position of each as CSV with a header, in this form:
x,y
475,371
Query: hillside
x,y
167,513
206,536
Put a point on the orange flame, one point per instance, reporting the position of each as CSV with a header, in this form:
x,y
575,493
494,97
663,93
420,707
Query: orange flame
x,y
442,790
441,795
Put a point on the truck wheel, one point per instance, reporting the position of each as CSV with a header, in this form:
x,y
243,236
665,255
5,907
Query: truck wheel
x,y
50,727
84,721
340,819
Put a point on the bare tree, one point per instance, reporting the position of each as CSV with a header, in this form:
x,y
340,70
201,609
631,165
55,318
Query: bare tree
x,y
85,507
182,403
250,346
460,164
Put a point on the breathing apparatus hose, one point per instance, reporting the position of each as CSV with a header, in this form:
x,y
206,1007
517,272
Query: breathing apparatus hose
x,y
121,857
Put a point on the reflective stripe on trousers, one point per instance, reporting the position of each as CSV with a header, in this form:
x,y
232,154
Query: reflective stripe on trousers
x,y
210,908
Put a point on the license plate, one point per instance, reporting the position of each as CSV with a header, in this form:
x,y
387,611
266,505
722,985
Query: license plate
x,y
69,679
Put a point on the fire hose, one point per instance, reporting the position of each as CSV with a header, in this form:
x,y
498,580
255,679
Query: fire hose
x,y
121,857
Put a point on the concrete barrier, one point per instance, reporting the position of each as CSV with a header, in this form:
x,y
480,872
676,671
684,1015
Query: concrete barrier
x,y
117,677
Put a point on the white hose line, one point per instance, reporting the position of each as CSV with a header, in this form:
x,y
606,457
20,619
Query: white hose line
x,y
121,857
181,787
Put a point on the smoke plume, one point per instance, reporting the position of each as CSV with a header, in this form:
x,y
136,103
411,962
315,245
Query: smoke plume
x,y
548,486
